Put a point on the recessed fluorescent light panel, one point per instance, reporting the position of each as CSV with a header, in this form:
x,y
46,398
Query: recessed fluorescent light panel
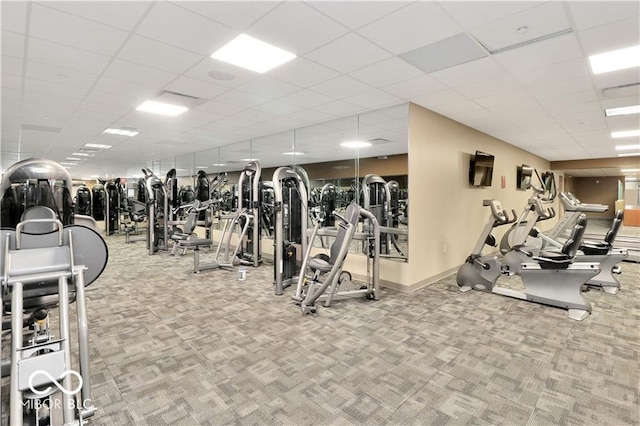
x,y
68,163
97,145
628,110
630,154
355,144
121,132
615,60
625,134
73,159
248,159
293,153
220,164
161,108
629,170
83,154
626,147
250,53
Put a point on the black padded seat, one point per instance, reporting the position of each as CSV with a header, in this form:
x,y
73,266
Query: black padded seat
x,y
550,259
592,247
196,242
179,236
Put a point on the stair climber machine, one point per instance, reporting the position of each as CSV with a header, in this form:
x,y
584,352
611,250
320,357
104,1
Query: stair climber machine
x,y
82,204
46,262
113,192
244,224
322,277
532,213
376,197
290,226
550,278
157,212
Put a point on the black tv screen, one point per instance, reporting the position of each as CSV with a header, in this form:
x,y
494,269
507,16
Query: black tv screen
x,y
481,169
524,177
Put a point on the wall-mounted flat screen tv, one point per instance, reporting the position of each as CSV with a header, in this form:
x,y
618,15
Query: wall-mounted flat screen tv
x,y
523,178
481,169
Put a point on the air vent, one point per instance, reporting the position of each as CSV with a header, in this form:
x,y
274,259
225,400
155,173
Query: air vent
x,y
38,128
443,54
176,98
623,90
378,140
528,42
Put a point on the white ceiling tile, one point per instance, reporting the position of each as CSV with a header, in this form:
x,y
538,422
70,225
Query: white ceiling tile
x,y
623,122
276,108
308,30
621,101
310,116
548,52
12,82
66,57
339,108
618,78
414,87
197,88
465,116
556,88
124,89
303,73
145,51
121,14
416,25
268,87
556,72
307,98
341,87
102,108
471,14
11,99
105,98
64,28
442,97
12,44
470,72
234,14
387,72
136,73
219,108
14,16
348,53
374,99
541,20
11,65
617,35
498,85
60,75
587,14
189,30
572,108
39,87
357,14
202,69
241,99
253,115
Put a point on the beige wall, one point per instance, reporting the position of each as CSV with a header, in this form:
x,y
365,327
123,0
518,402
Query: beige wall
x,y
598,190
445,213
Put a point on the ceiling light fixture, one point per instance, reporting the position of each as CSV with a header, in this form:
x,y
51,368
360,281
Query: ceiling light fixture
x,y
83,154
632,109
220,164
626,147
630,154
121,132
97,145
202,167
293,153
625,134
161,108
248,159
73,159
355,144
250,53
629,170
68,163
615,60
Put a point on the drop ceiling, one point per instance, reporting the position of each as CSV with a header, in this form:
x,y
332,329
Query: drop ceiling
x,y
72,69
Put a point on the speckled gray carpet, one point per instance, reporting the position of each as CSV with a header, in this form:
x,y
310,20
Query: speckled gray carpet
x,y
172,347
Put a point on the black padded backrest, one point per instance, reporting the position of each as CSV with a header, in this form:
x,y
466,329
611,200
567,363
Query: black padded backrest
x,y
570,247
351,214
38,212
615,227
